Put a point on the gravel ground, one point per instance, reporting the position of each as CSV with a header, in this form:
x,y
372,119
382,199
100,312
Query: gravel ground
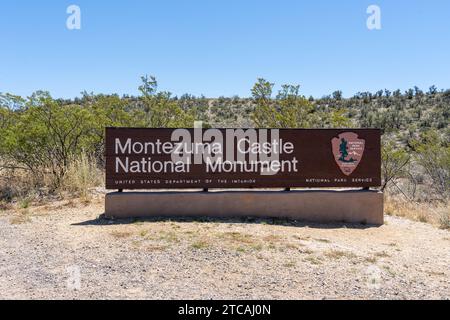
x,y
44,249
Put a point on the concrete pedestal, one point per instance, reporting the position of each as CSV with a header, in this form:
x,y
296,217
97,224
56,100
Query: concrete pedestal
x,y
323,206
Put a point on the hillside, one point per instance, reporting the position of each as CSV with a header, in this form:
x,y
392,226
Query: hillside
x,y
403,114
54,147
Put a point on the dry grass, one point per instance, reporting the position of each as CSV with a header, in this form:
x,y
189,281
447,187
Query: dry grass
x,y
273,238
23,189
323,240
371,260
200,244
302,238
199,236
121,234
382,254
241,242
237,237
256,247
21,217
290,264
156,248
168,236
338,254
5,206
313,260
434,213
82,175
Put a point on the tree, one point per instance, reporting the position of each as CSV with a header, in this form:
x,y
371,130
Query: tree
x,y
290,109
446,95
108,111
337,95
264,113
433,90
409,94
417,91
294,110
394,162
161,111
397,93
45,136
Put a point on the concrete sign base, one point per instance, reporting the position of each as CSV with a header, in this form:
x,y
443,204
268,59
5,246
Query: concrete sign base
x,y
322,206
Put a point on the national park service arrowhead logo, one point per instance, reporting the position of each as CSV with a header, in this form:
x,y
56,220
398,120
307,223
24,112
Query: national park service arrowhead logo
x,y
348,151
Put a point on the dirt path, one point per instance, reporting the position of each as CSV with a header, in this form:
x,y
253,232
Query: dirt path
x,y
43,250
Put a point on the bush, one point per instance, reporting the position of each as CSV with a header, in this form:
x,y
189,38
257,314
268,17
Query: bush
x,y
160,110
433,154
291,110
43,137
394,162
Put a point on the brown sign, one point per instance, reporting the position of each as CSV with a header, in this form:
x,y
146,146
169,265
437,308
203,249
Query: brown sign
x,y
242,158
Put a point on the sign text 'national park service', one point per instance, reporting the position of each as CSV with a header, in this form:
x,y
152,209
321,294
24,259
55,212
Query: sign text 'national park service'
x,y
242,158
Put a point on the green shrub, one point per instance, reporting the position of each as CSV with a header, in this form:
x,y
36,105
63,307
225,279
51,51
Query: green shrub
x,y
394,162
291,110
433,154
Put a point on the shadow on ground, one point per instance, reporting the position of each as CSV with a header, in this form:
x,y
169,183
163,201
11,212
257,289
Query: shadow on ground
x,y
103,221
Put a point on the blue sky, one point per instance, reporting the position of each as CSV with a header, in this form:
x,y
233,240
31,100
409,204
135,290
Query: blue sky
x,y
220,47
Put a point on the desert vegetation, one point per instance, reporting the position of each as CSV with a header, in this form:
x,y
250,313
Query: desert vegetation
x,y
54,147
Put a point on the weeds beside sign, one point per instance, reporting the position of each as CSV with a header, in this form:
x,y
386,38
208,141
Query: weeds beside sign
x,y
241,158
